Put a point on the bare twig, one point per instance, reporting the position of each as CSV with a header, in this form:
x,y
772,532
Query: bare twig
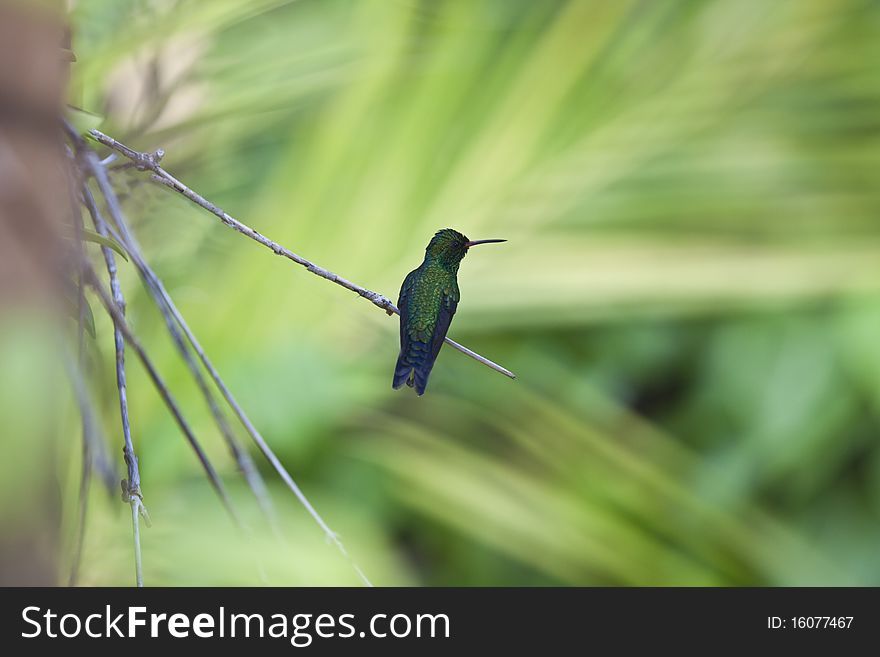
x,y
131,486
249,426
94,167
252,430
137,510
151,162
162,299
93,447
119,319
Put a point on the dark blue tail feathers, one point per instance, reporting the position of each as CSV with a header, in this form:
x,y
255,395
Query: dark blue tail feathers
x,y
414,368
402,373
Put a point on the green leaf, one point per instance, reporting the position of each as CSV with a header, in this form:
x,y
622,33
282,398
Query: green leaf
x,y
89,319
72,308
83,120
92,236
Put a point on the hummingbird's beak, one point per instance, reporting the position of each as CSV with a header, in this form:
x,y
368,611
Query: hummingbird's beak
x,y
475,242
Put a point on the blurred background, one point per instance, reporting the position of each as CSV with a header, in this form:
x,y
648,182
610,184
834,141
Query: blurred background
x,y
690,294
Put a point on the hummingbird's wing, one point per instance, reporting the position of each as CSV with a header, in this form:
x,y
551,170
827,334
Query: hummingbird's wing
x,y
422,370
422,331
404,367
448,306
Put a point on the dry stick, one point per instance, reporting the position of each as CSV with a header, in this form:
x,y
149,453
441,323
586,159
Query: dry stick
x,y
157,291
131,487
150,161
251,429
137,509
238,452
135,499
162,389
131,492
257,437
119,321
161,298
253,432
91,443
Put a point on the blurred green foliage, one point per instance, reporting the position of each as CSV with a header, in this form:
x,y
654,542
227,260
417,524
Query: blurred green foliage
x,y
690,294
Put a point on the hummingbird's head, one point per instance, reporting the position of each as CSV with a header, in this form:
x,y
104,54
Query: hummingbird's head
x,y
450,246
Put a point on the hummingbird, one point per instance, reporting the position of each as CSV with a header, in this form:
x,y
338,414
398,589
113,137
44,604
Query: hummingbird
x,y
428,299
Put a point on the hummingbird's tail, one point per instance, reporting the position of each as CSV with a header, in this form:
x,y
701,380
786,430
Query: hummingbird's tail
x,y
413,368
402,373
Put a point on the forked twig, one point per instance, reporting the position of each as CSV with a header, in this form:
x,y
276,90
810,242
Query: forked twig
x,y
160,297
256,436
119,319
115,307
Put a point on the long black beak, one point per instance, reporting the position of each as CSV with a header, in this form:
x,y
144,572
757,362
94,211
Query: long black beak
x,y
475,242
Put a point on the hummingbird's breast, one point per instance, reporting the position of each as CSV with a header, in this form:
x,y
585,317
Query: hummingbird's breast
x,y
432,287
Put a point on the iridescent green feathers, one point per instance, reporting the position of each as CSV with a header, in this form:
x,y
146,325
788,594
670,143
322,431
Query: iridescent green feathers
x,y
428,299
427,303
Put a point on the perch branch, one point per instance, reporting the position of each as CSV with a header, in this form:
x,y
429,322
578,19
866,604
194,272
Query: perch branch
x,y
151,162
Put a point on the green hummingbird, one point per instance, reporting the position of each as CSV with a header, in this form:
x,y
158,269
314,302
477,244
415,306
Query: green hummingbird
x,y
428,299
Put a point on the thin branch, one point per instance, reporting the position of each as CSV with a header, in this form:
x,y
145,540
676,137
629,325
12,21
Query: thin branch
x,y
151,162
246,422
161,299
258,439
137,509
119,319
93,448
131,492
158,288
131,486
154,286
